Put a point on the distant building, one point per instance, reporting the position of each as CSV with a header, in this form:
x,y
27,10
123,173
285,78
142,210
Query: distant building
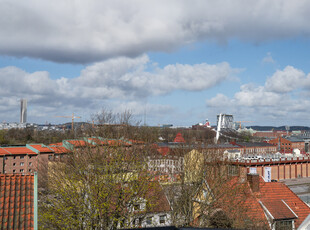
x,y
288,144
225,121
23,110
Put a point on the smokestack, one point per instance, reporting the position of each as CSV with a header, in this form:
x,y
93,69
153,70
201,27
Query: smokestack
x,y
23,110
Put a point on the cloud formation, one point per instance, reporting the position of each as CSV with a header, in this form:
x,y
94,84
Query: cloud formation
x,y
284,96
126,81
268,59
90,31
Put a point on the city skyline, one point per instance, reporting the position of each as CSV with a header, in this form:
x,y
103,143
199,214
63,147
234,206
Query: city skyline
x,y
178,62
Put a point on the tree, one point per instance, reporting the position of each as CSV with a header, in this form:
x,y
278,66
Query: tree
x,y
211,193
95,188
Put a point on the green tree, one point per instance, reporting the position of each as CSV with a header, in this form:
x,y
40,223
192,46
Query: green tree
x,y
95,188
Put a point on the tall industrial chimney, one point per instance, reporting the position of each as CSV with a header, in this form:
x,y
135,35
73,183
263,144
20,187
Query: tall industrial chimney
x,y
23,110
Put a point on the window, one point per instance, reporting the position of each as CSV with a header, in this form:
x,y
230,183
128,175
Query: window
x,y
284,225
29,170
14,157
162,219
50,157
30,163
14,170
140,221
22,157
14,164
30,157
149,220
122,223
136,207
135,222
21,163
21,170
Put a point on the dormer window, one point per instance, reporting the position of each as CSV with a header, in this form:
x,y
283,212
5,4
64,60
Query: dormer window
x,y
138,205
162,219
149,220
284,224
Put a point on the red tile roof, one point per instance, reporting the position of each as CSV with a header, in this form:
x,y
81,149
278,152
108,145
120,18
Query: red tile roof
x,y
179,138
59,149
3,151
278,209
78,143
16,201
280,201
275,191
41,149
19,150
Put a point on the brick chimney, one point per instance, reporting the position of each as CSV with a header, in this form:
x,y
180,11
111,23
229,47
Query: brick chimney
x,y
253,180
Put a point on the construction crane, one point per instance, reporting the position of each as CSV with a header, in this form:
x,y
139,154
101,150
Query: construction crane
x,y
242,122
72,117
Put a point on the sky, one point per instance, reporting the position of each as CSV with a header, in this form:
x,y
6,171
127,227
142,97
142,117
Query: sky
x,y
166,62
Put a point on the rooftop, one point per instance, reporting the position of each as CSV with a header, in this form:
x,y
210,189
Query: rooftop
x,y
16,201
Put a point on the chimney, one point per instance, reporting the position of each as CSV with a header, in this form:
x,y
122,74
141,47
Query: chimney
x,y
242,175
253,180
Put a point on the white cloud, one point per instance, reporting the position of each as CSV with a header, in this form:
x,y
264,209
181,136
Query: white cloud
x,y
283,98
88,31
256,97
268,59
129,81
284,81
220,100
128,78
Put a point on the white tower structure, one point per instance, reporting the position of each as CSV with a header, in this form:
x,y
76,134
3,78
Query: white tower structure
x,y
224,121
23,110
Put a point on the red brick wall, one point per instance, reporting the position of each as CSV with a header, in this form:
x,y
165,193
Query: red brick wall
x,y
20,163
1,164
285,171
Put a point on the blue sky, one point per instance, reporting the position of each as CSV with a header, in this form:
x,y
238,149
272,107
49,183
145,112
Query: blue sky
x,y
176,62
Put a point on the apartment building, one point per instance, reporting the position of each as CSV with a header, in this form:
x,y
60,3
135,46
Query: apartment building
x,y
288,144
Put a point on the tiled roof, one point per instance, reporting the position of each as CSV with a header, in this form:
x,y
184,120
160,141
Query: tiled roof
x,y
254,144
41,148
16,201
294,139
179,138
19,150
276,197
59,149
278,209
276,191
3,151
78,143
221,146
161,203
